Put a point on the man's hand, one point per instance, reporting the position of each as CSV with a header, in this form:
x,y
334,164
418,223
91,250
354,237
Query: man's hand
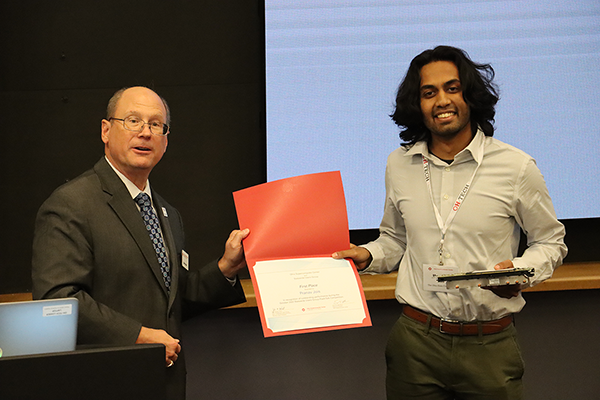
x,y
233,259
172,346
505,291
361,256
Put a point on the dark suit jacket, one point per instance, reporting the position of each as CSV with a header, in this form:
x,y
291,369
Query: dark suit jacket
x,y
90,243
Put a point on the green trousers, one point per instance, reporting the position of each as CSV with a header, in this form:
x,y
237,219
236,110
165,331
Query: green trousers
x,y
423,363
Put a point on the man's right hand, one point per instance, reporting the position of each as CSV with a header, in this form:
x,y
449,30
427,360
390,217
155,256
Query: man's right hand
x,y
361,256
172,346
233,259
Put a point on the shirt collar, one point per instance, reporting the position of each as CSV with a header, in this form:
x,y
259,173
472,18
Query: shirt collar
x,y
474,149
133,190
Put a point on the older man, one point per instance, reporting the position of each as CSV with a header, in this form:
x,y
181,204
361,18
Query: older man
x,y
115,244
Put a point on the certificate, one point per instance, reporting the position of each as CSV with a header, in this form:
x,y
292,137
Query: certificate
x,y
295,225
306,293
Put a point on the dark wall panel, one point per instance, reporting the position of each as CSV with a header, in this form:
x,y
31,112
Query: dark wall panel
x,y
62,60
555,333
75,44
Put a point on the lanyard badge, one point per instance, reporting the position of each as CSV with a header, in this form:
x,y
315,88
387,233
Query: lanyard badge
x,y
457,203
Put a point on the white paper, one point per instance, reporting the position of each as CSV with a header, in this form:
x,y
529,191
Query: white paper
x,y
305,293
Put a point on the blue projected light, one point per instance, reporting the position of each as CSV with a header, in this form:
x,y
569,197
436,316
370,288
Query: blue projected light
x,y
333,68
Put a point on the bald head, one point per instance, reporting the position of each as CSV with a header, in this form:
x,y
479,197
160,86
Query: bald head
x,y
114,100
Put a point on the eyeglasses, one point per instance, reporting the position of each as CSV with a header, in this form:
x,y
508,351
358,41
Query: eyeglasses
x,y
136,124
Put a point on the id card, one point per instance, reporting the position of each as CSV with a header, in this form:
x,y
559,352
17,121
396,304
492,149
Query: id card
x,y
431,273
185,260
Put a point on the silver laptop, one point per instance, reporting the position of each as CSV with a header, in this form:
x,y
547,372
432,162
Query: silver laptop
x,y
38,326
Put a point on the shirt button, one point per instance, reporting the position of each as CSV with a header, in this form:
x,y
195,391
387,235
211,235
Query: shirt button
x,y
447,255
447,169
446,197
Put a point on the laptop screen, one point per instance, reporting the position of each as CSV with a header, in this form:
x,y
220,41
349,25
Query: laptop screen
x,y
38,326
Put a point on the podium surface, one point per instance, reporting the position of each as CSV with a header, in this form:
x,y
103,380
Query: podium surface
x,y
128,372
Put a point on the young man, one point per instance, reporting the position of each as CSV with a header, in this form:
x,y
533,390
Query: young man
x,y
456,200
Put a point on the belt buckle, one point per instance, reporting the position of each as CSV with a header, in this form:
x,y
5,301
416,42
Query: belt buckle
x,y
450,321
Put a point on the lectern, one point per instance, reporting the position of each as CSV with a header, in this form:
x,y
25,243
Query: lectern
x,y
130,372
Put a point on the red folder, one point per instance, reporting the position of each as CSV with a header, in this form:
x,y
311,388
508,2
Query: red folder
x,y
299,217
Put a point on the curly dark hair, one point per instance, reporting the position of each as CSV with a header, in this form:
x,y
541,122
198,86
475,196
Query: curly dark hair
x,y
479,93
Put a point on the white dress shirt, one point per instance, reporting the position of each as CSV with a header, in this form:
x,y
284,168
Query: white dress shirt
x,y
507,191
133,190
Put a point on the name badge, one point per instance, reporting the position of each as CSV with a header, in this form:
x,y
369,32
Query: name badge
x,y
430,274
185,260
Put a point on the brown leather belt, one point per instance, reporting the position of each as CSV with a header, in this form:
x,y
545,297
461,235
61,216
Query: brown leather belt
x,y
456,327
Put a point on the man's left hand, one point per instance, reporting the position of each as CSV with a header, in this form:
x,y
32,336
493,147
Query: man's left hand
x,y
233,259
505,291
